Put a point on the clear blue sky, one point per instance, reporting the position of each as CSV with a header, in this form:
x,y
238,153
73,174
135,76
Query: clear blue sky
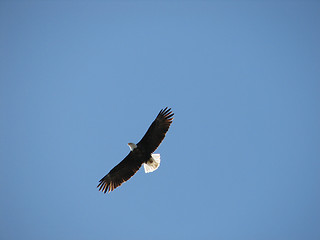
x,y
79,80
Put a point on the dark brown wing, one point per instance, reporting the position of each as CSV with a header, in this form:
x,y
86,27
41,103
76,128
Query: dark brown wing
x,y
157,131
120,173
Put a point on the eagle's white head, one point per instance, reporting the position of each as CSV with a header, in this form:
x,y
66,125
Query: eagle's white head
x,y
132,146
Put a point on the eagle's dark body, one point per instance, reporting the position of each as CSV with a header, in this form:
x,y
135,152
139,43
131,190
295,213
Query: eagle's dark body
x,y
139,154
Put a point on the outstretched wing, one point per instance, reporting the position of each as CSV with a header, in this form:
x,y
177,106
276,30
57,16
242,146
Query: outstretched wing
x,y
120,173
157,131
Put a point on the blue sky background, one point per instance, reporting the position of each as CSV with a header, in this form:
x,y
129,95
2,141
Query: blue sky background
x,y
79,80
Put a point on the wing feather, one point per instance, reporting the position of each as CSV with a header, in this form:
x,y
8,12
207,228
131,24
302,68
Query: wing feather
x,y
120,173
157,131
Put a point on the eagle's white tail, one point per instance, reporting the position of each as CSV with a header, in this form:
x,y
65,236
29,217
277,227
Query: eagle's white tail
x,y
152,164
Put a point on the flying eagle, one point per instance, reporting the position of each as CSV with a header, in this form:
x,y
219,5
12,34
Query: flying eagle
x,y
142,153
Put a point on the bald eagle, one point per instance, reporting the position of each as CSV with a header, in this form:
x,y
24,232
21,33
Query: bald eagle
x,y
140,153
